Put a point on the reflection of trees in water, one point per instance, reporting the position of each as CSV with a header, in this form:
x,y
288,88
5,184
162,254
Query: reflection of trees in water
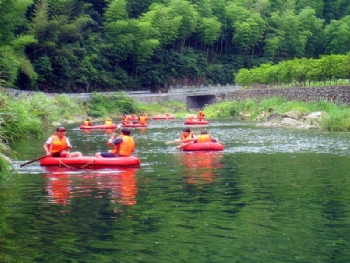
x,y
200,166
118,186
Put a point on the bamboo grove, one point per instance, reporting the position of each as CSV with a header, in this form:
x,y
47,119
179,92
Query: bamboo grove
x,y
116,45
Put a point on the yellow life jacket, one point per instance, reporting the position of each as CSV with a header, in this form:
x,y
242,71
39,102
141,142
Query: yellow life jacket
x,y
204,138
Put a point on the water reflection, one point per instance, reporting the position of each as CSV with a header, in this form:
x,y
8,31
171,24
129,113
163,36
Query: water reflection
x,y
199,166
64,184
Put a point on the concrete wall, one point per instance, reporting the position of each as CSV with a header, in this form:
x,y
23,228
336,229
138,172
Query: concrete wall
x,y
336,94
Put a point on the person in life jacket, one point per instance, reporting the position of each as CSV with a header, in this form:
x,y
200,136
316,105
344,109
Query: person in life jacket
x,y
187,137
124,145
205,137
108,121
58,145
190,118
142,119
200,116
87,122
125,120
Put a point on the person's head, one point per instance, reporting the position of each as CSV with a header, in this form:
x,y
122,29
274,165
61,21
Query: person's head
x,y
186,130
204,132
126,131
61,130
108,119
88,119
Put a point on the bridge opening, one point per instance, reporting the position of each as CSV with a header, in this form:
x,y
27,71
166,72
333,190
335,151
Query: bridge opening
x,y
198,102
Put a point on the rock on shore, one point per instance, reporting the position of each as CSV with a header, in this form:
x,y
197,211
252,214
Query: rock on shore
x,y
292,119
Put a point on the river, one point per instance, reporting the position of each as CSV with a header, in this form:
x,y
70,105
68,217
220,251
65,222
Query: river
x,y
272,195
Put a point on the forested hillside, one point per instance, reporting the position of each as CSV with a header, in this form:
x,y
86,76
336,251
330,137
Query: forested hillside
x,y
114,45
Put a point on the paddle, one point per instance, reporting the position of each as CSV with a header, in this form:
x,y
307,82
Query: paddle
x,y
171,142
36,159
32,161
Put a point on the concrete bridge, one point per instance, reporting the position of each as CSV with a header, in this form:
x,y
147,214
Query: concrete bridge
x,y
197,97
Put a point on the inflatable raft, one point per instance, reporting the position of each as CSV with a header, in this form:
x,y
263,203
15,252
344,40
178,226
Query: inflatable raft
x,y
196,122
101,127
134,125
204,146
91,162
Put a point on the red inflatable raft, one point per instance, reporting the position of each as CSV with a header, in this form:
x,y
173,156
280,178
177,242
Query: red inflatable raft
x,y
112,126
90,161
204,146
134,125
196,122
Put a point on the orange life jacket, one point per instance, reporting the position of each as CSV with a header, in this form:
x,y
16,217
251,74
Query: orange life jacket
x,y
204,138
190,118
126,148
189,136
142,120
58,144
108,122
87,123
200,116
125,120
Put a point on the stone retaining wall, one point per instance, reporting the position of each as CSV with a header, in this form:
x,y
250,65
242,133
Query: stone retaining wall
x,y
336,94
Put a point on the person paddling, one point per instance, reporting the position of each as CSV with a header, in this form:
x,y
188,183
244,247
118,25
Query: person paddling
x,y
58,145
124,145
187,137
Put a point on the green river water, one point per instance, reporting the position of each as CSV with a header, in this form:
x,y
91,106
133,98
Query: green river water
x,y
273,195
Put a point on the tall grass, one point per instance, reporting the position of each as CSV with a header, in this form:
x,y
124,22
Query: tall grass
x,y
178,109
26,116
110,105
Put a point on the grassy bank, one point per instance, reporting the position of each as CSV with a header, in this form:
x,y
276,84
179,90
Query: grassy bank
x,y
338,119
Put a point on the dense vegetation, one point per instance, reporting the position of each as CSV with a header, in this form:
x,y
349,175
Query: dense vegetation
x,y
327,69
94,45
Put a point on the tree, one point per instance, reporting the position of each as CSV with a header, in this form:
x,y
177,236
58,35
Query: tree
x,y
337,36
119,35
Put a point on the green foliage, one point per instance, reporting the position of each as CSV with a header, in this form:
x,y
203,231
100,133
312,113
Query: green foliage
x,y
302,71
86,46
105,105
